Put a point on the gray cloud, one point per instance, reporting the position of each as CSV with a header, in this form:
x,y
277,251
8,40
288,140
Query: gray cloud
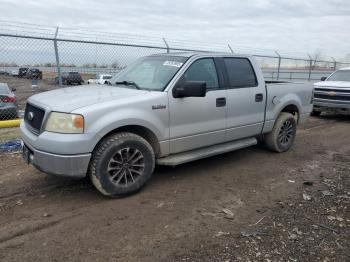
x,y
298,25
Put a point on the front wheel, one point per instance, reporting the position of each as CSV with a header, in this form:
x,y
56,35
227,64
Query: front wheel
x,y
121,164
282,136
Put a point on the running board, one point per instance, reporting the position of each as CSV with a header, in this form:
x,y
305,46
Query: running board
x,y
189,156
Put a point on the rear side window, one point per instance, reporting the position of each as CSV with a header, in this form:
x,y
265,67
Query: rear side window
x,y
240,72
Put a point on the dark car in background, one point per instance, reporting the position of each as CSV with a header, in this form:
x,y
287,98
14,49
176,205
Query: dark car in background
x,y
4,72
8,103
22,72
34,73
69,78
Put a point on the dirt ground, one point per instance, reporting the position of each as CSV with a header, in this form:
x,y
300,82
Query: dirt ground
x,y
248,205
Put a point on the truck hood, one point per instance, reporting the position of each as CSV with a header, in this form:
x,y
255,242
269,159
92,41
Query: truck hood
x,y
334,84
71,98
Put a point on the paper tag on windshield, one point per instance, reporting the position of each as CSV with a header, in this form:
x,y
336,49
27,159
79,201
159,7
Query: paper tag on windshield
x,y
172,63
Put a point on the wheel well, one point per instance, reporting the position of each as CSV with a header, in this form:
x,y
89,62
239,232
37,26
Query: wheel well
x,y
143,132
293,109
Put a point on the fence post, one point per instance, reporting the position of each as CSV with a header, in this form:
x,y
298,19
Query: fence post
x,y
334,63
167,46
279,65
310,66
57,59
230,48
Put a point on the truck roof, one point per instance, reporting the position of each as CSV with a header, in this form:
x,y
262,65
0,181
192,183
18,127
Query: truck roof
x,y
190,54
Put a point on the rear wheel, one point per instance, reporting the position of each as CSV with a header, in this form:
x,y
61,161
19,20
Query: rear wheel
x,y
121,164
282,136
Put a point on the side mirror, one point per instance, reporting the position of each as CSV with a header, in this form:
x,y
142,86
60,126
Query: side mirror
x,y
190,89
13,89
323,78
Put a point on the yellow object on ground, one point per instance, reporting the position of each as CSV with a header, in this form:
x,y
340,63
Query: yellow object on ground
x,y
10,123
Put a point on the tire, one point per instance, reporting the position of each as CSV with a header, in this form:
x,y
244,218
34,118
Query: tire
x,y
125,176
282,136
315,113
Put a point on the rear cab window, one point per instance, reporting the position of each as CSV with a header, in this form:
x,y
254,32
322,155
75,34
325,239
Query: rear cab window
x,y
240,72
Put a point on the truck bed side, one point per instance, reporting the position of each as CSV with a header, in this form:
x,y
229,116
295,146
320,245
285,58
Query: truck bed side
x,y
284,96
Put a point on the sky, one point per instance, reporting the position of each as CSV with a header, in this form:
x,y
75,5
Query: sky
x,y
293,26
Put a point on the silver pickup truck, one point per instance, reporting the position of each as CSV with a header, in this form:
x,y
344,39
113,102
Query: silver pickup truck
x,y
164,109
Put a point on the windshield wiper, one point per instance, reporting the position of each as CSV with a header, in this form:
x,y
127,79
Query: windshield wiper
x,y
128,83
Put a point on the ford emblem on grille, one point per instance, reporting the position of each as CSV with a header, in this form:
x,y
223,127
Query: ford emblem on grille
x,y
332,93
30,116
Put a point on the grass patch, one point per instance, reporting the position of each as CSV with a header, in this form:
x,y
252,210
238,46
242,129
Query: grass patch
x,y
8,134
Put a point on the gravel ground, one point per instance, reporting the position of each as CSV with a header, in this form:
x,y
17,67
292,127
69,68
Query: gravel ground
x,y
248,205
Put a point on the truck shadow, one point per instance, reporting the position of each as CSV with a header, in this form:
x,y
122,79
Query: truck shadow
x,y
337,117
162,178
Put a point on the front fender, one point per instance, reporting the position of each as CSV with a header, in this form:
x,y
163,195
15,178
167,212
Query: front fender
x,y
156,122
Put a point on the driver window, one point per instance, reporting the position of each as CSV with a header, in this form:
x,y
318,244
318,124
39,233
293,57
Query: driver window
x,y
203,70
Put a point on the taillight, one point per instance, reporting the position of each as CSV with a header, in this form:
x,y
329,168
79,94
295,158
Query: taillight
x,y
8,100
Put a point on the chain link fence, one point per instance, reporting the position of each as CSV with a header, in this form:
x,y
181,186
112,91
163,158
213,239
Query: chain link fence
x,y
36,58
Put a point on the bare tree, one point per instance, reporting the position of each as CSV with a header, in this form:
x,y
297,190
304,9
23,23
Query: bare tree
x,y
316,57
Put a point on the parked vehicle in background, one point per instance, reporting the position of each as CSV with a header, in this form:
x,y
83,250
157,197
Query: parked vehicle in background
x,y
93,80
164,109
69,78
4,72
101,79
14,72
8,103
333,93
22,72
34,73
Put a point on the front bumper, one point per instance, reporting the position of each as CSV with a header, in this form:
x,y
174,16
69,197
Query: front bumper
x,y
331,106
61,165
72,164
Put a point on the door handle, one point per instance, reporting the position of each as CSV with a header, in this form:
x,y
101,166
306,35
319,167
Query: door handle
x,y
221,101
259,97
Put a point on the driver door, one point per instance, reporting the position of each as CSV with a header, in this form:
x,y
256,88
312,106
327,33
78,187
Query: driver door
x,y
198,121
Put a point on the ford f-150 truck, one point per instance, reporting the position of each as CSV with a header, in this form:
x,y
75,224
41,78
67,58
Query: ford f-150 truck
x,y
333,93
164,109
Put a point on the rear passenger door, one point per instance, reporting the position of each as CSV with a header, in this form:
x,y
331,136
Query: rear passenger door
x,y
245,99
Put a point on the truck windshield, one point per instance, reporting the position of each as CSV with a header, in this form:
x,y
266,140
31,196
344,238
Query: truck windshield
x,y
341,75
150,73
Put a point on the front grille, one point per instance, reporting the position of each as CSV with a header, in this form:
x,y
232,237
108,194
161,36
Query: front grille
x,y
329,97
36,121
332,90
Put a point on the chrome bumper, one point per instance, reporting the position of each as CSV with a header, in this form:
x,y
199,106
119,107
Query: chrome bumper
x,y
62,165
334,106
331,104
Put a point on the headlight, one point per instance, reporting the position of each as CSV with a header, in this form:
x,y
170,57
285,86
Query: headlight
x,y
65,123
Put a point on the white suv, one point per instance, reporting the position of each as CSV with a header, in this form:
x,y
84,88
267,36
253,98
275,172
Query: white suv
x,y
100,79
